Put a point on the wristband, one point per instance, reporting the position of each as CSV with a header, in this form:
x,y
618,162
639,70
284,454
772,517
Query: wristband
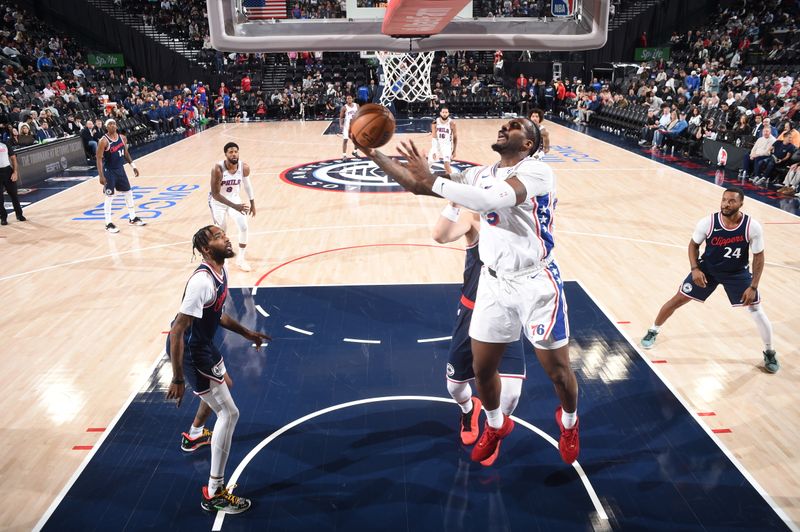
x,y
451,213
178,381
133,165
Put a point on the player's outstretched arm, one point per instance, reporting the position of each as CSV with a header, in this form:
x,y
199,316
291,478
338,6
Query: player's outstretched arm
x,y
177,386
254,336
452,224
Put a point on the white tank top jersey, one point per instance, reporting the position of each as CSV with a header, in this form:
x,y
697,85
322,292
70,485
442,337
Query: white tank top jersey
x,y
349,112
444,131
231,182
518,237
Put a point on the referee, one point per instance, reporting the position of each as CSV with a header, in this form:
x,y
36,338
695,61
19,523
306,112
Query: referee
x,y
8,182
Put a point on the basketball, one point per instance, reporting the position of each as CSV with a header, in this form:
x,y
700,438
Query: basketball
x,y
373,126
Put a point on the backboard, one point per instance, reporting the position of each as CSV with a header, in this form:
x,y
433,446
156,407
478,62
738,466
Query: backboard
x,y
584,27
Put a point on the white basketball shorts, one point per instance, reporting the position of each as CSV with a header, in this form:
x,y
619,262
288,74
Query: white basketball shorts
x,y
220,212
533,302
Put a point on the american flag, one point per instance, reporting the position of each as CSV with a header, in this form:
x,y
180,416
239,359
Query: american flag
x,y
264,9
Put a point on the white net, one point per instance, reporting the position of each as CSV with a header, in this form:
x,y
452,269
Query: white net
x,y
407,76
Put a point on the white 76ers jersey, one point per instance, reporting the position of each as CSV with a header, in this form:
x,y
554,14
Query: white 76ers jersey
x,y
231,182
444,131
349,112
518,237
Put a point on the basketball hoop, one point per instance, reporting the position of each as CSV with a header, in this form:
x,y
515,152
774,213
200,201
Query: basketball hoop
x,y
407,76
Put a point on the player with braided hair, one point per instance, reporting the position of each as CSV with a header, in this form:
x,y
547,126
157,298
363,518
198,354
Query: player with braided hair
x,y
190,346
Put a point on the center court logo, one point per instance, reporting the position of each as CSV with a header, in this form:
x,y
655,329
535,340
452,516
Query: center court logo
x,y
351,175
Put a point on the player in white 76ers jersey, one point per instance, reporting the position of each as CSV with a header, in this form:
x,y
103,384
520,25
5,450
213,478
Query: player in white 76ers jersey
x,y
520,284
227,177
349,110
443,144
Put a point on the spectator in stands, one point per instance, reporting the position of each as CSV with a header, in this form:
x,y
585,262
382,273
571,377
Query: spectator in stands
x,y
761,151
742,128
650,126
782,152
25,137
791,183
789,132
522,82
661,133
765,122
676,130
45,134
90,137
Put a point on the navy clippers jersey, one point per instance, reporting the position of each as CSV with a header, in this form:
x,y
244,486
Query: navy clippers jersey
x,y
727,250
114,156
203,329
472,273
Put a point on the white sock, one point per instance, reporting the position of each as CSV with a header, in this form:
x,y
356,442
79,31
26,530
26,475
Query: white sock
x,y
509,394
655,328
763,324
241,254
194,432
107,209
129,203
495,418
568,419
462,393
215,484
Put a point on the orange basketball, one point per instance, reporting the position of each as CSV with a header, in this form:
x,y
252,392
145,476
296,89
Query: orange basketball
x,y
373,126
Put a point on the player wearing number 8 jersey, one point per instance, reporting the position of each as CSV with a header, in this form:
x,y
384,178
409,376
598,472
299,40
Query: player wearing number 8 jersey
x,y
227,177
729,237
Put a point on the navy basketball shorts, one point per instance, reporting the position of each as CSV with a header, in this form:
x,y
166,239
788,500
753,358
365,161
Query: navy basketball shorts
x,y
201,365
459,362
734,284
116,179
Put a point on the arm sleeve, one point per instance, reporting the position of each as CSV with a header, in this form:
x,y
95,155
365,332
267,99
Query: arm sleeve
x,y
536,176
498,196
199,293
701,230
460,177
756,236
248,187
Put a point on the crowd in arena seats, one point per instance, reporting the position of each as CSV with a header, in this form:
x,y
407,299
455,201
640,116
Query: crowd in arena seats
x,y
48,91
723,82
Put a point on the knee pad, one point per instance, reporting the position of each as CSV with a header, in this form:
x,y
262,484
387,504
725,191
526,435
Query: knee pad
x,y
509,394
460,391
243,232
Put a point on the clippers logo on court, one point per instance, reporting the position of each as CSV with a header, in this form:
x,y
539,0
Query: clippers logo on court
x,y
351,175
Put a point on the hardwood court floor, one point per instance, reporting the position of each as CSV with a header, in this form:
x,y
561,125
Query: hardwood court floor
x,y
86,310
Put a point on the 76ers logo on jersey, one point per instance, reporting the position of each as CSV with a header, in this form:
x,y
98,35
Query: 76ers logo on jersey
x,y
351,175
492,218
